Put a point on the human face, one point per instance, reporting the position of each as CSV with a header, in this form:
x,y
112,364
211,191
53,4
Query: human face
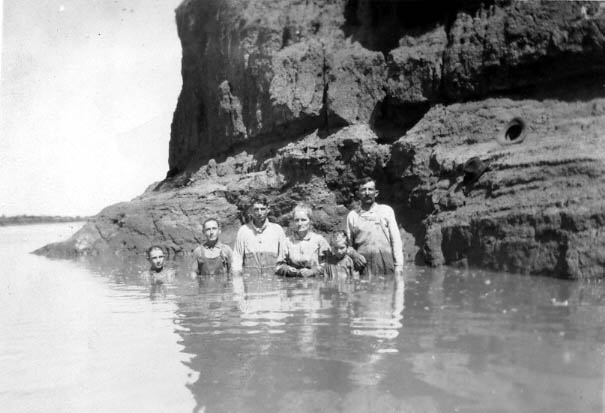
x,y
339,248
367,194
211,231
156,259
259,214
301,222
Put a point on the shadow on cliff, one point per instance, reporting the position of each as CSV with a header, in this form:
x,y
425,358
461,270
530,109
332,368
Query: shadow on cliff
x,y
379,25
582,87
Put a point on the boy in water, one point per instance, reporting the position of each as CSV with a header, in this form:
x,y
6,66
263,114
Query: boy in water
x,y
157,273
258,244
339,265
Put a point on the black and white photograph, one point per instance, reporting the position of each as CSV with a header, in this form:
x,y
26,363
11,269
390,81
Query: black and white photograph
x,y
302,206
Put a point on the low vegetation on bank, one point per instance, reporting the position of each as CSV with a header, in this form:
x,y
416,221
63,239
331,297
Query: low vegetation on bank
x,y
37,219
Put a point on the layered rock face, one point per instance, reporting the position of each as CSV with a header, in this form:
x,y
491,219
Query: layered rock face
x,y
483,125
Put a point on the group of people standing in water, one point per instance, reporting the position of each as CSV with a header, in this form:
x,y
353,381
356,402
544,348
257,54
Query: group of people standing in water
x,y
370,245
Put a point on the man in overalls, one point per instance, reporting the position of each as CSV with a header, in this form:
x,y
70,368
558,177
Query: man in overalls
x,y
212,257
258,243
374,233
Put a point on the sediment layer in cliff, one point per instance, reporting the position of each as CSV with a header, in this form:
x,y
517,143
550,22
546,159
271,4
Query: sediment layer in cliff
x,y
297,99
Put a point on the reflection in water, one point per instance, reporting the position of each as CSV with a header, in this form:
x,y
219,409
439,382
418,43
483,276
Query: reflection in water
x,y
283,334
451,340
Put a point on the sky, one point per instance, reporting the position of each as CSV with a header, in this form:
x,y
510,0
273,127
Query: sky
x,y
87,92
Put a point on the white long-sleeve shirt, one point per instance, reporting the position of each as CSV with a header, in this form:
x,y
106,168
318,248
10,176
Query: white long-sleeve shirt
x,y
257,249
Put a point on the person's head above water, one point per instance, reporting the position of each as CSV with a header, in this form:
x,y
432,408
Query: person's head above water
x,y
339,243
212,230
301,215
259,209
155,256
367,192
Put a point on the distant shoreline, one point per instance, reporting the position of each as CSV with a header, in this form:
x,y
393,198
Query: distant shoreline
x,y
37,219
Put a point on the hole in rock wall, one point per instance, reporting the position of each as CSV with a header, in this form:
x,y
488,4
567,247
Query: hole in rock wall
x,y
514,132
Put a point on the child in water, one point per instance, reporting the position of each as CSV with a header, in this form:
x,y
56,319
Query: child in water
x,y
339,265
157,273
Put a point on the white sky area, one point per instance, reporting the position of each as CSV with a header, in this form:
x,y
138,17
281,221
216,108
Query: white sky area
x,y
88,88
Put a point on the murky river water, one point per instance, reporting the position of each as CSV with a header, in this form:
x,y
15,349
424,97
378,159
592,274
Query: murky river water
x,y
80,336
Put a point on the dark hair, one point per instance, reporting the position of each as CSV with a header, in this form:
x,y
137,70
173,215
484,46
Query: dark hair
x,y
154,247
259,199
338,235
365,180
207,220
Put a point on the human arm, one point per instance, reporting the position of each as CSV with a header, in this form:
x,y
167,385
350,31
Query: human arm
x,y
288,270
311,257
323,250
395,237
226,256
283,267
315,266
350,225
282,241
237,258
195,271
358,260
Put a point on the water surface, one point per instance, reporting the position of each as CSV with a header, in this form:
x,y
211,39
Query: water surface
x,y
78,336
76,339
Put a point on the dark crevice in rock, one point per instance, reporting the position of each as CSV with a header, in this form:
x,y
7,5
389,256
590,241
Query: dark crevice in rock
x,y
96,227
333,124
324,97
379,25
290,34
580,88
393,120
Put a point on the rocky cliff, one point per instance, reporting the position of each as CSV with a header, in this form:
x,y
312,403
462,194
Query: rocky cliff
x,y
483,123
